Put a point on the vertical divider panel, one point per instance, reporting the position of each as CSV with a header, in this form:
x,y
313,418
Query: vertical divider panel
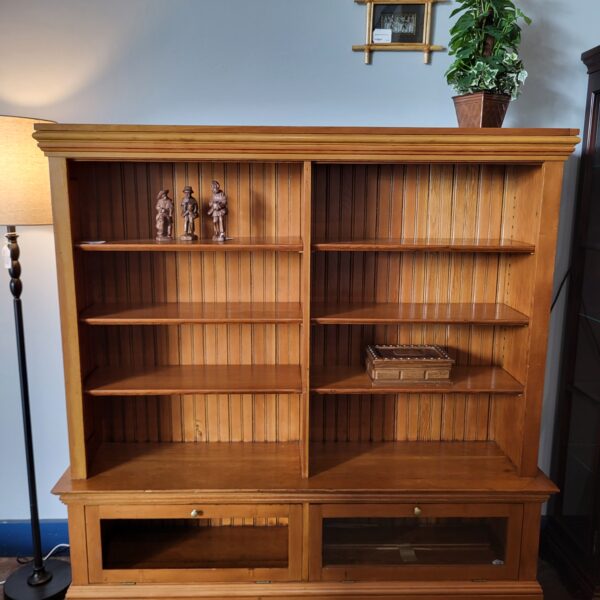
x,y
77,541
306,278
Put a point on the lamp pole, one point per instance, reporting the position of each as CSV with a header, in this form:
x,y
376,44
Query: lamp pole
x,y
45,580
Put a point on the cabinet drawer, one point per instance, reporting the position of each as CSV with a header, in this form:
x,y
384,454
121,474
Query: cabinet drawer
x,y
194,543
414,541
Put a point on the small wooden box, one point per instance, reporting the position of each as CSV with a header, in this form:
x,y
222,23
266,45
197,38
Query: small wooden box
x,y
407,363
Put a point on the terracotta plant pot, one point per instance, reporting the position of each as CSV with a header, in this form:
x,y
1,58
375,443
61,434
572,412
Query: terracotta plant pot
x,y
482,109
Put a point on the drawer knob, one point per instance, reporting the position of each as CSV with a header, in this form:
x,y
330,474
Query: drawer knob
x,y
417,511
196,513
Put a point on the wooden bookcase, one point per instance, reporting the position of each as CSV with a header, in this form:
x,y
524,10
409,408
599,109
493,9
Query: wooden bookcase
x,y
225,440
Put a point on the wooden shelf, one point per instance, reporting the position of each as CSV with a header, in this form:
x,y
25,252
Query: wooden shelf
x,y
287,244
193,466
418,466
273,469
349,313
194,379
175,313
465,380
425,245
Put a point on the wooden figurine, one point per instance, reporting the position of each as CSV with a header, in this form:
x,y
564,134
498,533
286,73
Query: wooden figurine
x,y
189,212
217,209
164,217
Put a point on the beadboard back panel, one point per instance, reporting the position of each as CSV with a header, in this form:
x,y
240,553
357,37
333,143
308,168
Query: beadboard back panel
x,y
424,201
117,199
401,417
199,418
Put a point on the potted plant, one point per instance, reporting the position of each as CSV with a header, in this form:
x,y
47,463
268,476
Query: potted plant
x,y
487,72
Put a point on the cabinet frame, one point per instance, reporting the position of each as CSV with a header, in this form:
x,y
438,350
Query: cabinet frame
x,y
133,450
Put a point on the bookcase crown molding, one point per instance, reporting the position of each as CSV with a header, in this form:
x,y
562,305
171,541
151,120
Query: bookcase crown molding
x,y
346,144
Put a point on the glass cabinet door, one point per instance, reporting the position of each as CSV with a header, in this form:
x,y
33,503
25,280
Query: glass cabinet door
x,y
577,464
405,542
192,543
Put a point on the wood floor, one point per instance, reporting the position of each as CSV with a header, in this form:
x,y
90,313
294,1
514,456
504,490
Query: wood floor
x,y
8,565
553,588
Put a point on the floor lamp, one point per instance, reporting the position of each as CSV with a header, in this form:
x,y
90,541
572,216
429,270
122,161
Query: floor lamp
x,y
25,200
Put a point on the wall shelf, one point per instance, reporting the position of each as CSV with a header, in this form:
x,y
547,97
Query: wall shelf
x,y
234,245
194,379
465,380
415,312
425,245
178,313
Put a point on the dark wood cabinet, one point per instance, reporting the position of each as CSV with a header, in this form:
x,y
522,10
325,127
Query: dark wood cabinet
x,y
572,537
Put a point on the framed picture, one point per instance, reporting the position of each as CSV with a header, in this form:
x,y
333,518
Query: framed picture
x,y
398,25
404,23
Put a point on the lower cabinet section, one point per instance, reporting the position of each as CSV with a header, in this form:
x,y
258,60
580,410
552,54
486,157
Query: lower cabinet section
x,y
194,543
409,542
267,543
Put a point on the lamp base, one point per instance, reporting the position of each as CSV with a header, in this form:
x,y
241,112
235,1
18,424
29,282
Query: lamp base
x,y
17,586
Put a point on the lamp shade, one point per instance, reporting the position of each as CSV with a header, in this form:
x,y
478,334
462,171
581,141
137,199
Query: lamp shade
x,y
24,179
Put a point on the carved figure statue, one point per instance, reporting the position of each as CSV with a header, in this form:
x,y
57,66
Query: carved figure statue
x,y
217,209
164,216
189,212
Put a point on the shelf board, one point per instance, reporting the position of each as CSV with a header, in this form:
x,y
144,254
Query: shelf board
x,y
176,313
417,467
194,379
425,245
272,469
283,244
465,380
358,313
193,466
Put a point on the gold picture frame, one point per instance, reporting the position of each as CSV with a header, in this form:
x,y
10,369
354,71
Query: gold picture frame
x,y
400,24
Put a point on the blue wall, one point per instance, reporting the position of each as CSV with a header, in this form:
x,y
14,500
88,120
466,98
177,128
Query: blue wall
x,y
15,536
229,62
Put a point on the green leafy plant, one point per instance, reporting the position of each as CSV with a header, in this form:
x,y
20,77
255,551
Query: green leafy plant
x,y
485,41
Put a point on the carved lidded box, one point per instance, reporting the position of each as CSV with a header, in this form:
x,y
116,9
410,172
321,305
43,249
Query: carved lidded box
x,y
407,363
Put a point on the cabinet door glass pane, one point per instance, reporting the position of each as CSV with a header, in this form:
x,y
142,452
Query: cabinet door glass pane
x,y
581,479
194,544
592,177
427,541
596,159
587,373
590,285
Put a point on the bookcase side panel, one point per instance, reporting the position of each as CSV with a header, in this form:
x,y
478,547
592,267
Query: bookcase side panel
x,y
550,192
78,420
